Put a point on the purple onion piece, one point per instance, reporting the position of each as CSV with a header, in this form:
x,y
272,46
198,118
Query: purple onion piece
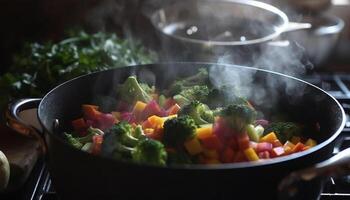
x,y
263,122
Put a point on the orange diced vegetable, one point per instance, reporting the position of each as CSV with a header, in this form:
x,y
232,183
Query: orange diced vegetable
x,y
204,132
298,147
96,144
289,144
271,137
243,141
90,111
295,139
211,142
311,143
210,153
193,146
287,150
156,121
277,151
148,131
277,143
173,109
251,154
305,148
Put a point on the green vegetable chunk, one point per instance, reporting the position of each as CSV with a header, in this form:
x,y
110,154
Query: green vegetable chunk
x,y
239,116
179,129
199,112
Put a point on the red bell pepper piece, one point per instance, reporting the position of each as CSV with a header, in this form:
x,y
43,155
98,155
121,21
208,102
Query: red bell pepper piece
x,y
227,155
79,124
277,151
264,146
232,143
106,121
243,141
96,144
211,142
173,109
169,102
264,155
152,108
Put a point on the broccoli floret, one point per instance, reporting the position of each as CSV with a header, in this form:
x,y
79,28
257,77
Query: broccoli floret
x,y
178,157
119,143
284,130
131,91
178,129
124,131
73,141
91,132
189,94
200,112
239,116
150,151
201,78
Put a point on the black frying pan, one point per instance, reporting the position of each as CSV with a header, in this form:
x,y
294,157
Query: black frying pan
x,y
79,175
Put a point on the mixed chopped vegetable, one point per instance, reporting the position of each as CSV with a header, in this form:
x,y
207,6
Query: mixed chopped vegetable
x,y
184,124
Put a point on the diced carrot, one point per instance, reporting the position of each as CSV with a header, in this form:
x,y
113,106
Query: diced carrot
x,y
277,143
287,150
146,124
305,148
298,147
204,132
251,154
156,121
310,142
193,146
227,155
271,137
91,112
173,109
211,142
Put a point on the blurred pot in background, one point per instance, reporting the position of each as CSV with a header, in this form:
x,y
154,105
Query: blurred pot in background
x,y
319,41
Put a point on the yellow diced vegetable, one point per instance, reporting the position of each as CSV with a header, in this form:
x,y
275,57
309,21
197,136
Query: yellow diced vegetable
x,y
271,137
139,106
311,143
251,154
193,146
204,132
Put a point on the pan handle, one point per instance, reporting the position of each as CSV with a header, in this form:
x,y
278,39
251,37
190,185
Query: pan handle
x,y
27,127
294,26
336,166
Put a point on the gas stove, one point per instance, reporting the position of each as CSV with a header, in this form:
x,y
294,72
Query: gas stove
x,y
39,186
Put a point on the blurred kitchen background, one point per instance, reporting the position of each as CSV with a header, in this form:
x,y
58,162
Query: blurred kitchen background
x,y
40,20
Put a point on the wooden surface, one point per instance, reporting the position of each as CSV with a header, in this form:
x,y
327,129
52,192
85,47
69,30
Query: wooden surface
x,y
22,153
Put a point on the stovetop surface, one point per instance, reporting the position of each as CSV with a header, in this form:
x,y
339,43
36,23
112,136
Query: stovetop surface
x,y
39,187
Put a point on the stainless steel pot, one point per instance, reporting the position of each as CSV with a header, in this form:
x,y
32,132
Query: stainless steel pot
x,y
204,30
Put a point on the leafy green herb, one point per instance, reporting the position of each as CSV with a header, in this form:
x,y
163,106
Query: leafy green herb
x,y
40,67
